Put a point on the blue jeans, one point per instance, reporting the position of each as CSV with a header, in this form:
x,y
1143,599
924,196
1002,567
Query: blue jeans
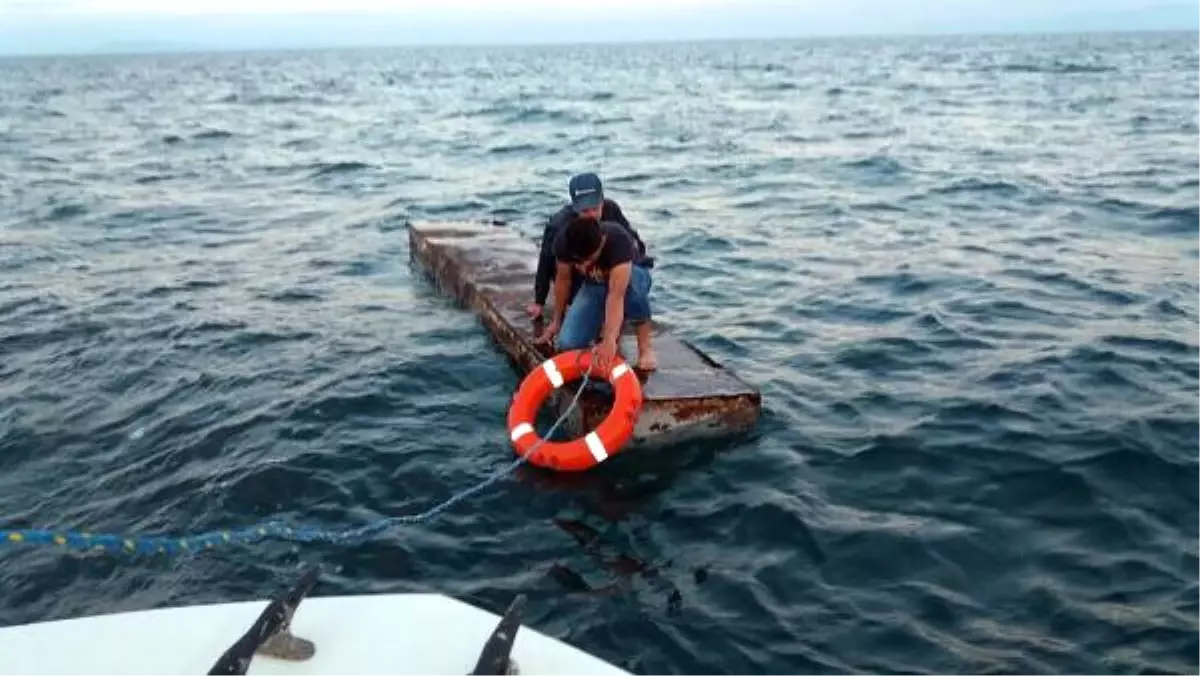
x,y
585,315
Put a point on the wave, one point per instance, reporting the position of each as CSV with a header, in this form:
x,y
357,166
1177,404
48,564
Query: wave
x,y
206,135
332,168
1057,68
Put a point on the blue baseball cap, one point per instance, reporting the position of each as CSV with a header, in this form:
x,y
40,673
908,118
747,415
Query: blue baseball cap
x,y
586,191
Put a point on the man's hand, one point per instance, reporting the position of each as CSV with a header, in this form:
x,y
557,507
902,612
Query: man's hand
x,y
534,310
606,352
614,310
548,334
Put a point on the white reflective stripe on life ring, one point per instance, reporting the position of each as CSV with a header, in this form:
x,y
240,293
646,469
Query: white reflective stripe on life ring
x,y
521,430
618,371
551,369
596,447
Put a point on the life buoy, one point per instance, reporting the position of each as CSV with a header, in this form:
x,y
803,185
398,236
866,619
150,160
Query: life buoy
x,y
609,437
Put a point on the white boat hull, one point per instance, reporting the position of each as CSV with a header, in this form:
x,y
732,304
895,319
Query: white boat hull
x,y
373,634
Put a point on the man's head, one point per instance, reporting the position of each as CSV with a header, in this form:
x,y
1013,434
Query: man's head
x,y
581,243
587,195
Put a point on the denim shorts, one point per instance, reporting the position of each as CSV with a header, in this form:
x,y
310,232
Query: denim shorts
x,y
585,316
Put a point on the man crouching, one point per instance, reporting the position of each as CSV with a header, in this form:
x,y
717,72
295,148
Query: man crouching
x,y
615,287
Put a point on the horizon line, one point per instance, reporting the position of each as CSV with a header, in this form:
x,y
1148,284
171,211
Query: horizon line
x,y
173,48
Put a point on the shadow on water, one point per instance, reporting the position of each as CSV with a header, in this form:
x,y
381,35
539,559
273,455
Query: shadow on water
x,y
605,508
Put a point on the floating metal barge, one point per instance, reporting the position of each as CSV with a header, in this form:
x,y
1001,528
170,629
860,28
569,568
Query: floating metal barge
x,y
489,268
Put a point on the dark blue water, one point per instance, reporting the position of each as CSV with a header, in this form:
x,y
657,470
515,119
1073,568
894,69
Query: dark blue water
x,y
962,270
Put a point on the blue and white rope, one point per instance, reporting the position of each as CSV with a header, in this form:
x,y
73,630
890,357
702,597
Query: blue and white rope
x,y
168,545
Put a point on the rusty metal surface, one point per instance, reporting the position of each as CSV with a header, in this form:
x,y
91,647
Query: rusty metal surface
x,y
489,269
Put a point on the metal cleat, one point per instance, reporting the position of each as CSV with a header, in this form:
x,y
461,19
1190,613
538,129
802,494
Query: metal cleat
x,y
496,657
271,634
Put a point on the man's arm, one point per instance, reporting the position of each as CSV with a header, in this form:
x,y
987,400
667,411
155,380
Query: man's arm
x,y
541,283
562,292
614,304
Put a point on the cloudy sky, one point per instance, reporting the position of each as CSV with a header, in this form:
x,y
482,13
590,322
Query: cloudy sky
x,y
49,26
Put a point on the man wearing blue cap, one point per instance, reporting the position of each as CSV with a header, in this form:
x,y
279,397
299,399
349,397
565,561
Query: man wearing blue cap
x,y
587,201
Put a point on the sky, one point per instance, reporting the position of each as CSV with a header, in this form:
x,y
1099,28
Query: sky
x,y
72,26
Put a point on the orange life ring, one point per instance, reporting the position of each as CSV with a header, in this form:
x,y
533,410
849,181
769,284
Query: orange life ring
x,y
609,437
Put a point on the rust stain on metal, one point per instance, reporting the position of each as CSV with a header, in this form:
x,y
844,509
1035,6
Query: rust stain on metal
x,y
489,269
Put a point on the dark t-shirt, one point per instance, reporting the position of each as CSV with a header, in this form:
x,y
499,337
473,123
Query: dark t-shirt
x,y
555,225
619,247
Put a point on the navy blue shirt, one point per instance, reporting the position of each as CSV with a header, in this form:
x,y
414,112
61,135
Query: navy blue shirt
x,y
546,260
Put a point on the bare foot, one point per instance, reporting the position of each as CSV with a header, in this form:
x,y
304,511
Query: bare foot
x,y
647,361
